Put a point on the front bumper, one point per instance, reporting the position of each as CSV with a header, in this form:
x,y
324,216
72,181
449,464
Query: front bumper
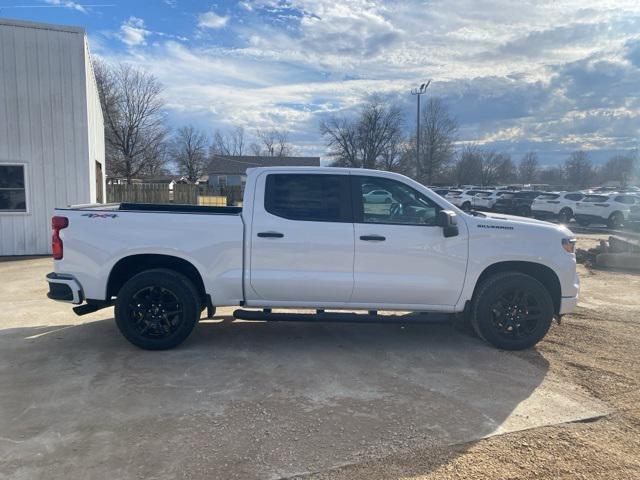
x,y
568,305
64,288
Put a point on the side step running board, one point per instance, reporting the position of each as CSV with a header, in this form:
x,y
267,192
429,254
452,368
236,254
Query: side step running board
x,y
347,317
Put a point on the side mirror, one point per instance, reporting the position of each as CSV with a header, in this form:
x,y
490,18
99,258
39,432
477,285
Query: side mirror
x,y
448,220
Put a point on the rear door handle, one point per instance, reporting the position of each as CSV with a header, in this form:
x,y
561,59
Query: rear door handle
x,y
270,235
373,238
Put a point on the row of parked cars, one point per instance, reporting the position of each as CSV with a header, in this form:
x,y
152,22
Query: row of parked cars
x,y
612,208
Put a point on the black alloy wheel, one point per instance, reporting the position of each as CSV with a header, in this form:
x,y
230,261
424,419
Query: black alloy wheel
x,y
155,312
515,314
511,310
157,309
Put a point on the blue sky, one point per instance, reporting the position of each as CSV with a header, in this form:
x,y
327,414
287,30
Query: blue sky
x,y
543,75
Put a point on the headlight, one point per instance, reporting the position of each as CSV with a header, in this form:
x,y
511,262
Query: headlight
x,y
569,244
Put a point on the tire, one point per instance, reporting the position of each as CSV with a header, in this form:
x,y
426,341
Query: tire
x,y
615,221
466,206
142,305
565,215
511,311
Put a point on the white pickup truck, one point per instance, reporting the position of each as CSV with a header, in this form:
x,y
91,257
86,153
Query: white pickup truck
x,y
308,238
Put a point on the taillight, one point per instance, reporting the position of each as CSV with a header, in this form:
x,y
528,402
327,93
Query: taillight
x,y
601,204
57,224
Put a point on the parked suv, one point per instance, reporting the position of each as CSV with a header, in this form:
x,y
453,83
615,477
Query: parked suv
x,y
516,203
612,210
486,200
464,199
556,205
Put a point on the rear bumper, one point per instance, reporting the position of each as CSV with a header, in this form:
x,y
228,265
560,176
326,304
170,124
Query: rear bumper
x,y
64,288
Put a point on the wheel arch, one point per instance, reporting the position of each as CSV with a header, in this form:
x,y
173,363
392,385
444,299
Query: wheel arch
x,y
545,275
131,265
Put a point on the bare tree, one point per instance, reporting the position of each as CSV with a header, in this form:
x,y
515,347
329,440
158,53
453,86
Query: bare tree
x,y
578,169
133,115
438,131
491,162
228,143
379,129
275,142
468,169
506,172
529,167
620,169
341,136
189,152
552,175
372,140
255,149
156,160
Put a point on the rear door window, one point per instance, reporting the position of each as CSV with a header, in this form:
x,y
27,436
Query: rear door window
x,y
309,197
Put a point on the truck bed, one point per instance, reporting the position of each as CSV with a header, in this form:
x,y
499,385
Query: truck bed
x,y
179,208
158,207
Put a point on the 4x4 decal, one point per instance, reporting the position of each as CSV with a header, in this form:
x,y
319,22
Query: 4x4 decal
x,y
100,215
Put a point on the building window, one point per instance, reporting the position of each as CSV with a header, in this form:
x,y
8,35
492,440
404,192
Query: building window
x,y
13,195
222,180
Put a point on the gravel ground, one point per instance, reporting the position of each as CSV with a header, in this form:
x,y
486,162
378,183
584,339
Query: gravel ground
x,y
597,348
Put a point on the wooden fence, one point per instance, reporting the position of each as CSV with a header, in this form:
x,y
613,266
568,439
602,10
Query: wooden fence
x,y
181,194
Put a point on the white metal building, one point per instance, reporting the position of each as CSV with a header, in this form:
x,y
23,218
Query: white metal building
x,y
51,131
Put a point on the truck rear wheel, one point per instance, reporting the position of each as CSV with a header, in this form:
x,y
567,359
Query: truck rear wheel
x,y
512,311
157,309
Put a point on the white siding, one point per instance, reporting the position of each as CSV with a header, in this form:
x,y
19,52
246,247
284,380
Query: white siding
x,y
96,128
48,122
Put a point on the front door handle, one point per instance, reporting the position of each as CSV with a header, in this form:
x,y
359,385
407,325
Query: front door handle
x,y
373,238
270,235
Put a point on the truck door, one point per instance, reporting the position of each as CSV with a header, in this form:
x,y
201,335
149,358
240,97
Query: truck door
x,y
401,255
301,247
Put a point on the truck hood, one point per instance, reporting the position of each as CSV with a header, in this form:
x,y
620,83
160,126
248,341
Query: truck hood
x,y
498,219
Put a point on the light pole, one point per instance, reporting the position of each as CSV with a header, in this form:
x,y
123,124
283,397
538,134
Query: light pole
x,y
417,92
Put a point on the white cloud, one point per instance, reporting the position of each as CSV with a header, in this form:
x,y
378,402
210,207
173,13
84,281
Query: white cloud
x,y
68,4
513,73
133,31
212,20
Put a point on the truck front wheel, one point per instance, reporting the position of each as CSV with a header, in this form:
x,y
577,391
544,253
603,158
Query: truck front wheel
x,y
157,309
512,311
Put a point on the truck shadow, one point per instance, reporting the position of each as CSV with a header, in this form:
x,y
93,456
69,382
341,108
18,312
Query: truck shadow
x,y
256,399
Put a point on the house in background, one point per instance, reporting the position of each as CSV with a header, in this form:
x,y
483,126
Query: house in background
x,y
231,170
51,131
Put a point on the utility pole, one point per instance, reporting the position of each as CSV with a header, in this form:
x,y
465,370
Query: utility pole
x,y
417,92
